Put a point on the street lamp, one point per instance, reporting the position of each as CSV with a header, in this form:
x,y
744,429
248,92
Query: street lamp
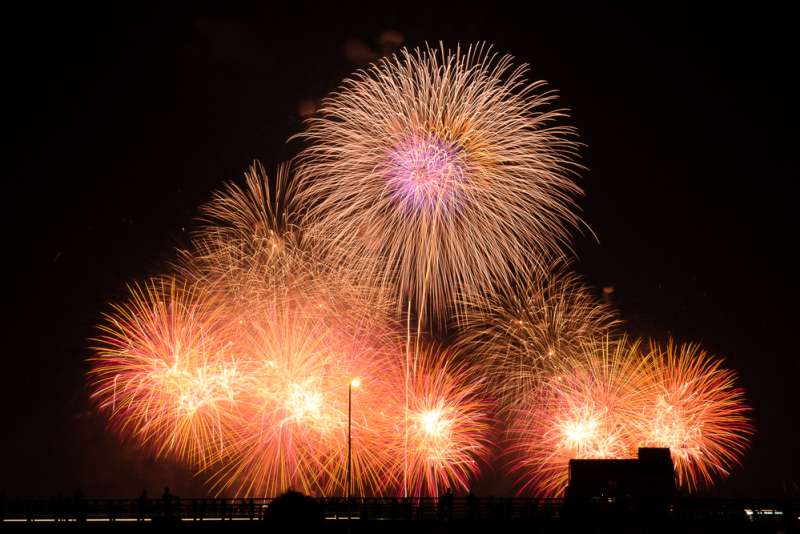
x,y
354,384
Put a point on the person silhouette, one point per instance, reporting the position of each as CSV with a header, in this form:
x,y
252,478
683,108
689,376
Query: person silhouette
x,y
448,504
166,500
141,506
59,508
223,508
78,510
472,506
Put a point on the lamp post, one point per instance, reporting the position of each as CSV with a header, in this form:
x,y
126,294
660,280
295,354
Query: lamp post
x,y
354,383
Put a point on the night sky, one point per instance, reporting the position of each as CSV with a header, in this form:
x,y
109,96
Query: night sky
x,y
120,124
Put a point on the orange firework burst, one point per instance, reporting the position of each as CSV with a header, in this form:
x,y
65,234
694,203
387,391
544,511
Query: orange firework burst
x,y
446,166
519,333
581,410
444,434
163,370
292,422
695,408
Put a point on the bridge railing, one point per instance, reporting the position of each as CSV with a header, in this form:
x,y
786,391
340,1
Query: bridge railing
x,y
412,509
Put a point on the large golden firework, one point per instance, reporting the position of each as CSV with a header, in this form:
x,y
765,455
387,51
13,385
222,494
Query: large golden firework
x,y
446,166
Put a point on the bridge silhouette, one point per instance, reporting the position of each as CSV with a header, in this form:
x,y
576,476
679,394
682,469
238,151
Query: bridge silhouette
x,y
431,514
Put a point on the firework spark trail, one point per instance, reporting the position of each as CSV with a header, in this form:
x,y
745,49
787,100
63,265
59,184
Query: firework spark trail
x,y
256,212
448,423
446,167
696,409
519,333
164,373
581,410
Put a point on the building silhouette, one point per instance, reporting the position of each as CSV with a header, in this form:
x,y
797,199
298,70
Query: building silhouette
x,y
650,476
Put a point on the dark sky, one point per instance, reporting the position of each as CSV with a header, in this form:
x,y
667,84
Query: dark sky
x,y
121,123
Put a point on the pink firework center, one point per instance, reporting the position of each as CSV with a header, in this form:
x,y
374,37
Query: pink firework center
x,y
425,172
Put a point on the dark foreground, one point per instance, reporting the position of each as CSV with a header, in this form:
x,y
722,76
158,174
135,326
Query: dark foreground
x,y
419,516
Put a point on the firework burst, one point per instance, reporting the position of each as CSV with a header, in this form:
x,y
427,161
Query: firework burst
x,y
251,351
254,213
307,327
446,167
444,433
164,372
581,410
520,333
695,408
291,430
249,250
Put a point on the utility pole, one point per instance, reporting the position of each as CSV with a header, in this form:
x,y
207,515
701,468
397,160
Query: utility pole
x,y
354,383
